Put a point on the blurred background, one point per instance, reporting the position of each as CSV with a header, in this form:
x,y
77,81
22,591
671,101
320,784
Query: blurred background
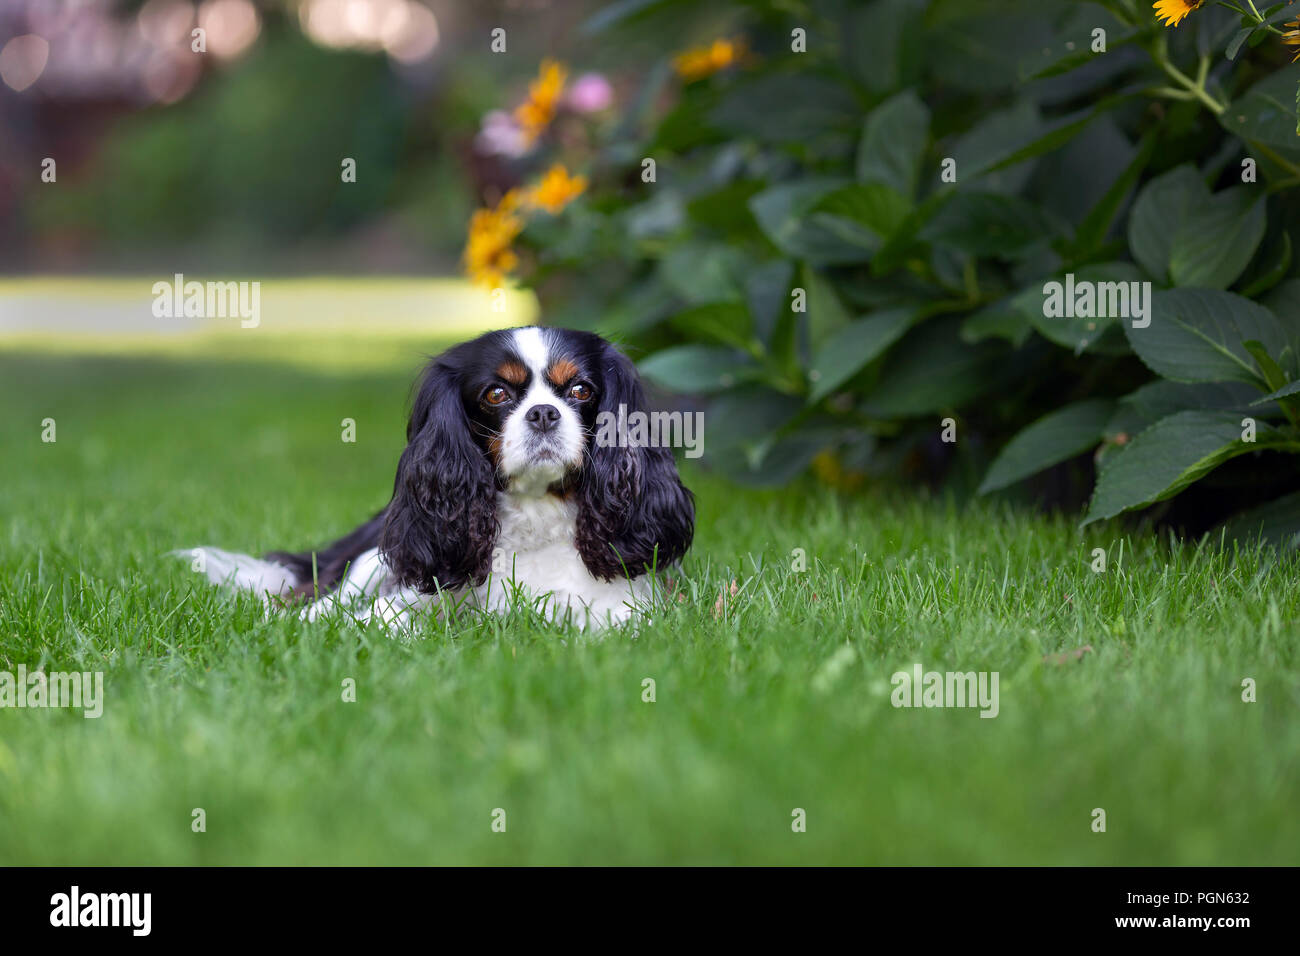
x,y
167,160
400,174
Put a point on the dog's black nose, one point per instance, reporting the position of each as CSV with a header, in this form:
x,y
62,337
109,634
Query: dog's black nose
x,y
542,418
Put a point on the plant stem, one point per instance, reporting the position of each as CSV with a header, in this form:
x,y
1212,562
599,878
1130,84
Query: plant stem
x,y
1254,12
1171,93
1160,53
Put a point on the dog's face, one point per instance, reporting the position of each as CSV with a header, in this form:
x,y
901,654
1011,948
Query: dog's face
x,y
532,396
516,412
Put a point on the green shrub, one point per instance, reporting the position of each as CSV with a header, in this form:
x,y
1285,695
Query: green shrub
x,y
849,249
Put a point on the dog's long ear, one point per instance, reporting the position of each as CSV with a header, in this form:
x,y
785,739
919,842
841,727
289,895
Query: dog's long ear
x,y
441,524
634,512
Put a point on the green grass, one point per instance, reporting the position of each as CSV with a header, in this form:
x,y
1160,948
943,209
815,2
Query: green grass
x,y
780,702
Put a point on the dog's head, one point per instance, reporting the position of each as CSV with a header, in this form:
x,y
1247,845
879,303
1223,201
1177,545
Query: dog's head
x,y
517,411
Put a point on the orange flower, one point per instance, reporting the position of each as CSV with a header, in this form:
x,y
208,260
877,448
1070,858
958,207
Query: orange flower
x,y
699,62
556,189
1172,12
543,101
1291,36
489,255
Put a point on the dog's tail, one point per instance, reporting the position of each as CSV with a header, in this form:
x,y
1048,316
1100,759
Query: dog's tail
x,y
242,571
288,574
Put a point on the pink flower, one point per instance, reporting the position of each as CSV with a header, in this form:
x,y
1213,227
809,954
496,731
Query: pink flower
x,y
590,93
501,135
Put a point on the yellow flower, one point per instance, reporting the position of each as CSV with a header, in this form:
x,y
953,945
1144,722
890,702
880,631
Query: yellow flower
x,y
556,189
699,62
1291,36
489,247
1172,12
828,467
488,252
544,92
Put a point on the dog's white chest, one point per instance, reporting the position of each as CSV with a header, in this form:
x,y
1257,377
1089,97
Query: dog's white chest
x,y
536,552
535,560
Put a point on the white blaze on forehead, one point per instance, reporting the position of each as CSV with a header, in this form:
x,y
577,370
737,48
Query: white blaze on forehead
x,y
531,345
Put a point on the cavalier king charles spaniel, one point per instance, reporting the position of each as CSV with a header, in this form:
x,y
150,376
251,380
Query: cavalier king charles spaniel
x,y
502,494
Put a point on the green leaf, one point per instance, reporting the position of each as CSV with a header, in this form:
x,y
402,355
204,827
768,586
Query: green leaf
x,y
1144,407
1285,391
1100,296
746,415
786,107
642,306
1071,45
1056,133
687,125
893,143
767,292
703,272
904,244
932,370
1158,215
1196,335
826,314
1216,240
1280,13
1284,302
1271,271
852,347
1000,320
988,224
660,215
693,369
1267,113
1167,457
1054,438
1238,40
875,207
1092,231
724,322
992,142
977,47
783,214
723,210
879,42
775,462
1276,523
1272,373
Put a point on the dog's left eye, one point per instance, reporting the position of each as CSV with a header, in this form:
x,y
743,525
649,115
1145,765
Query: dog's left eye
x,y
580,392
496,396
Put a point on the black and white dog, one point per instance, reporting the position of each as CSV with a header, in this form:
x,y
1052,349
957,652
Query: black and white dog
x,y
502,492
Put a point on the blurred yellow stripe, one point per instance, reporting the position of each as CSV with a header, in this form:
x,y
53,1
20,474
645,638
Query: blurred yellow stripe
x,y
322,322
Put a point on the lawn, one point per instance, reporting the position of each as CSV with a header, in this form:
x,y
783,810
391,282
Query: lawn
x,y
774,700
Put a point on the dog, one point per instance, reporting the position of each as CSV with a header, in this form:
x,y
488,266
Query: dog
x,y
502,494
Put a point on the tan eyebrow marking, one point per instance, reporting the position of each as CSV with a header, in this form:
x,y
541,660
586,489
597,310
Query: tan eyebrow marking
x,y
513,372
561,372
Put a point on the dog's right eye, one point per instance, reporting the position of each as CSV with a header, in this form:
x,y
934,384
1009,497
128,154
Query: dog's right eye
x,y
496,396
